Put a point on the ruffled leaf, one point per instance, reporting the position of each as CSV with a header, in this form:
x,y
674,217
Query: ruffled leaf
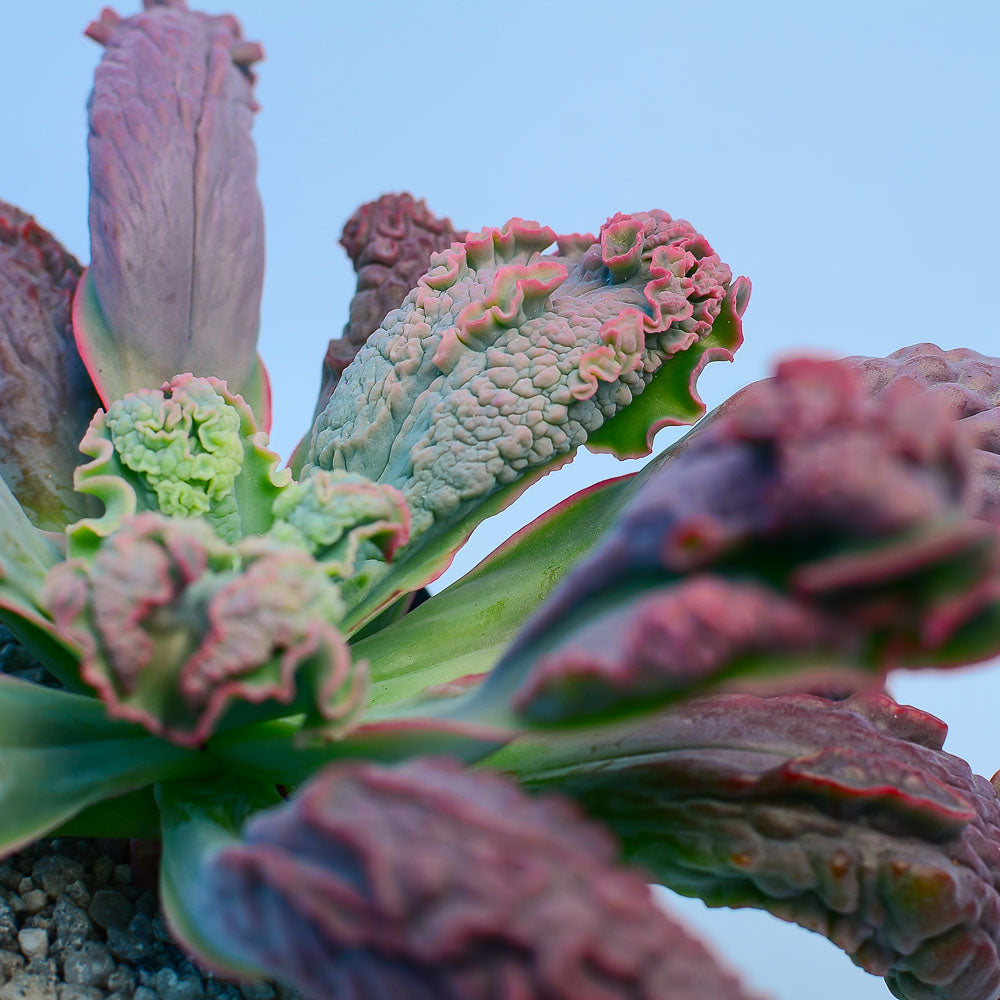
x,y
425,881
341,518
174,626
845,817
968,384
189,449
47,396
501,362
808,527
176,223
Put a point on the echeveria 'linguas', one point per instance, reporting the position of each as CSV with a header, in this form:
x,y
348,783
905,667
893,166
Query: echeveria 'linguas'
x,y
502,360
846,817
188,449
176,223
47,397
848,512
426,881
173,625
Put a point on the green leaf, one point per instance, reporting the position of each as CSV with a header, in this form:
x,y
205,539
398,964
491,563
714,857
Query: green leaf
x,y
672,398
197,821
464,629
59,753
273,751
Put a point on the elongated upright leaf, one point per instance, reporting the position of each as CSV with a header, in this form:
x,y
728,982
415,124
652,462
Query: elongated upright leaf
x,y
176,224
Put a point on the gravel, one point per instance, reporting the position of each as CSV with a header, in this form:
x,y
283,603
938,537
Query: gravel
x,y
76,925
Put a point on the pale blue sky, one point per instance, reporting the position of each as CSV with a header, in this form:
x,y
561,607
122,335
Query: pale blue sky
x,y
842,155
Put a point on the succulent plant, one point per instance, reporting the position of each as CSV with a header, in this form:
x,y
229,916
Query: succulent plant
x,y
674,675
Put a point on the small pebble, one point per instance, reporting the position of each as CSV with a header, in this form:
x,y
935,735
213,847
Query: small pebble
x,y
73,926
103,867
258,991
145,993
123,874
89,965
73,991
55,872
77,891
25,884
34,942
34,900
122,980
110,909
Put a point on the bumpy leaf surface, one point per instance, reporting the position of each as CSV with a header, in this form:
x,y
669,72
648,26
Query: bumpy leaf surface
x,y
845,817
189,449
390,242
47,396
340,517
968,384
173,625
848,514
176,223
428,882
503,360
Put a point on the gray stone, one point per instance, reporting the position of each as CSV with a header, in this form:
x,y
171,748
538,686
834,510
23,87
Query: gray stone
x,y
8,922
142,993
73,991
9,876
73,926
110,909
103,867
118,995
77,891
28,985
33,942
88,966
123,874
10,962
135,943
122,980
34,900
171,987
25,884
55,872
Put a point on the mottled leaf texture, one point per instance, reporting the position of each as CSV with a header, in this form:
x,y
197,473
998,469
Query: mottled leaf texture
x,y
48,399
173,625
968,384
808,521
427,882
176,223
390,242
845,817
503,360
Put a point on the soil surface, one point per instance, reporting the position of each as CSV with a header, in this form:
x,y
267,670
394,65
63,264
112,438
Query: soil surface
x,y
75,926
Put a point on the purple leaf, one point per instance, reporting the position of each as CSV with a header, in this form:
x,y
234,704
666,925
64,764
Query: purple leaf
x,y
176,224
390,242
968,384
427,881
845,817
807,520
47,396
